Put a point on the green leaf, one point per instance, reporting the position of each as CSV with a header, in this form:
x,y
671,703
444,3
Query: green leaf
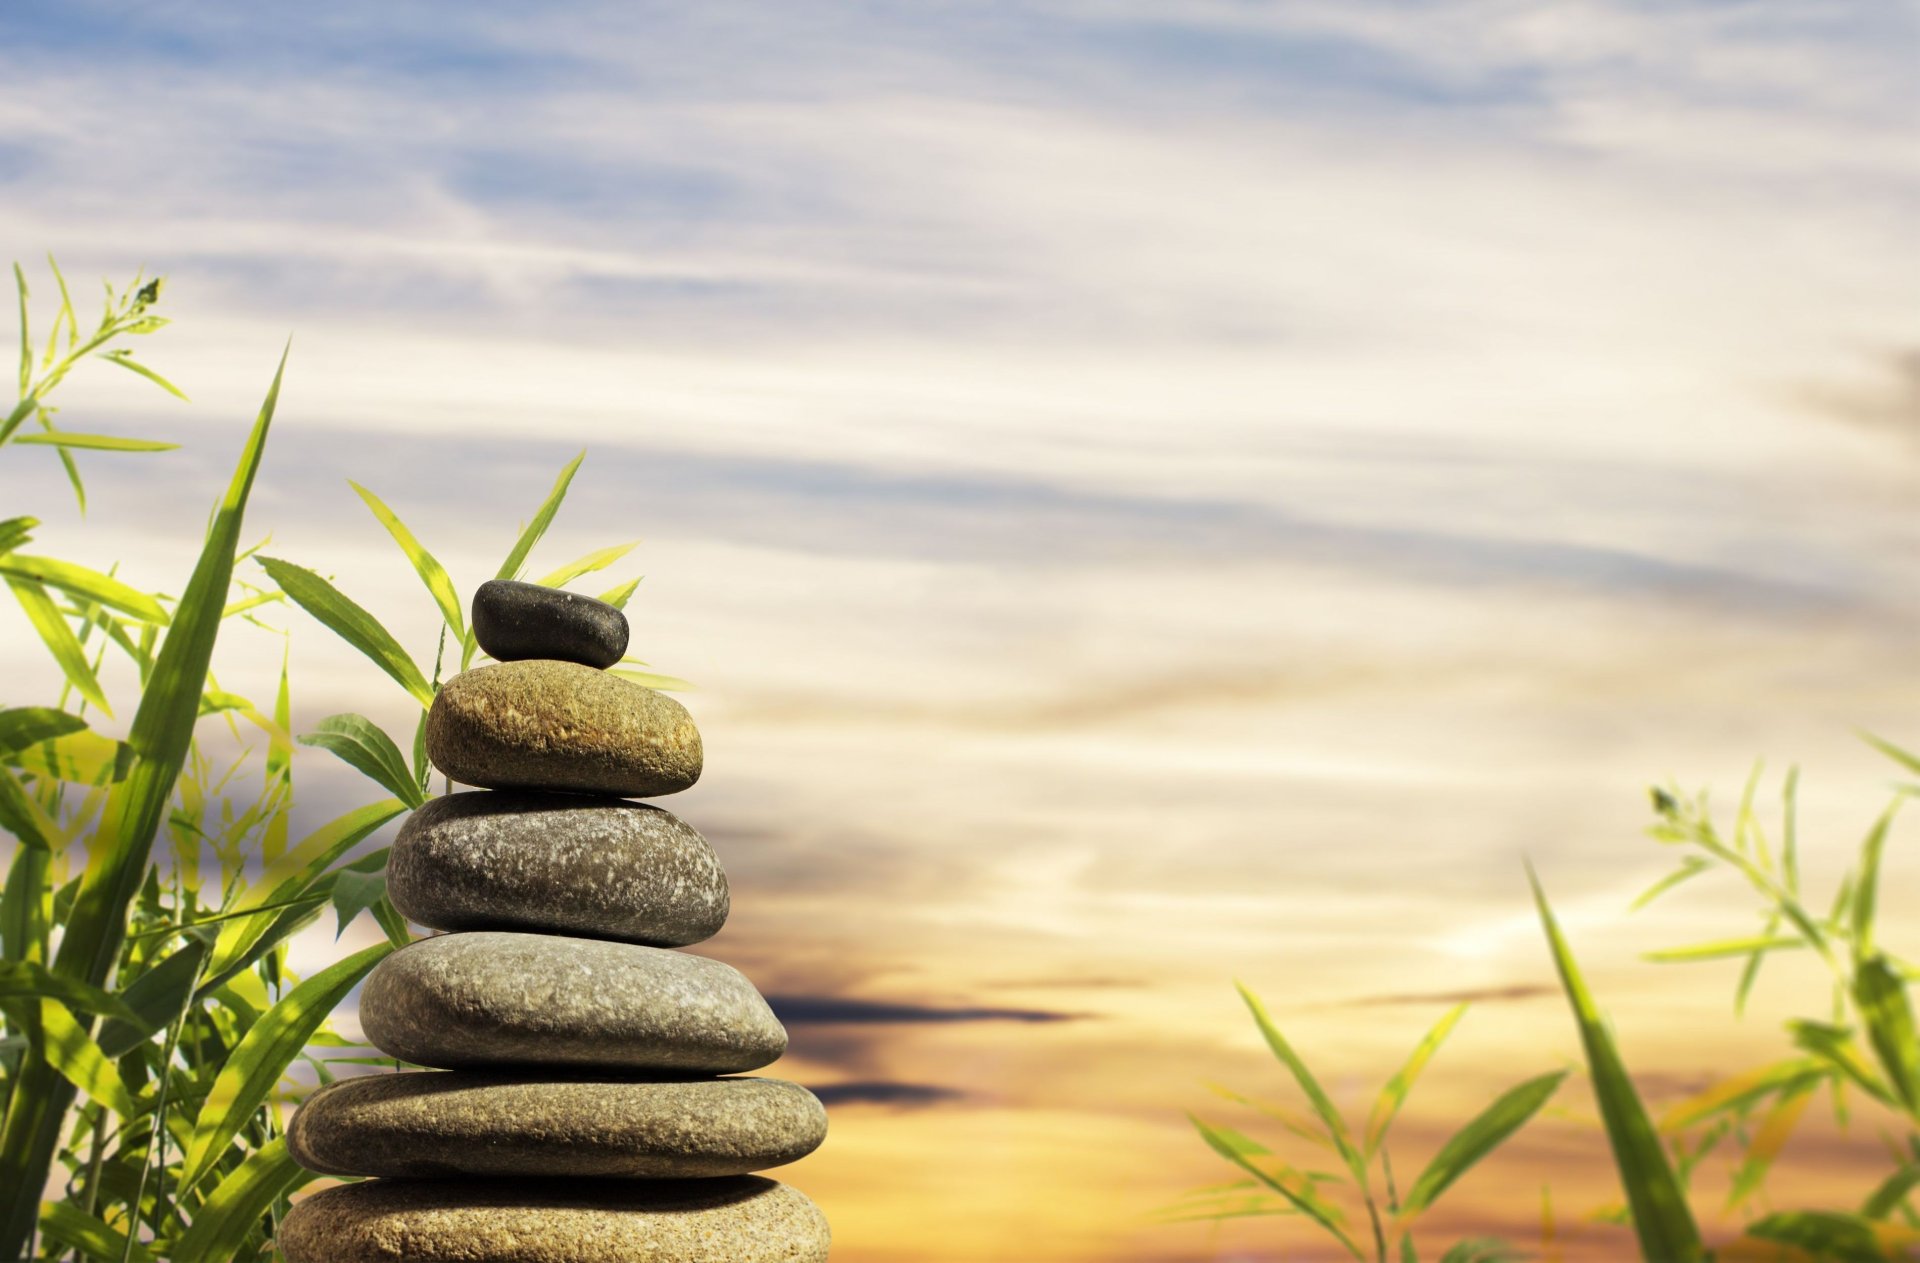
x,y
23,726
22,815
1394,1094
1866,890
599,559
1720,949
351,623
1881,996
1735,1094
1482,1250
72,1052
74,1229
262,1056
1480,1137
618,597
1834,1045
26,978
87,585
95,442
1237,1149
59,639
1661,1219
80,758
354,893
431,572
1690,866
1832,1236
1322,1106
135,811
238,1203
364,746
1892,1191
659,683
125,360
510,568
15,531
155,998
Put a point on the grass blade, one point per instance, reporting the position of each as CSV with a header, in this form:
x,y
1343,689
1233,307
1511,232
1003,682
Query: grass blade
x,y
87,585
431,572
1480,1137
351,623
72,1052
237,1204
599,559
1316,1097
362,745
136,808
1661,1218
95,442
1722,948
1394,1094
510,568
262,1057
60,640
1866,890
125,360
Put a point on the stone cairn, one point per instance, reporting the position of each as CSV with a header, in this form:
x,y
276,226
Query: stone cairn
x,y
579,1112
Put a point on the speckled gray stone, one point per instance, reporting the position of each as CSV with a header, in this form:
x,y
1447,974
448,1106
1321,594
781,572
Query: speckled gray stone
x,y
557,863
513,620
492,999
740,1220
473,1122
561,726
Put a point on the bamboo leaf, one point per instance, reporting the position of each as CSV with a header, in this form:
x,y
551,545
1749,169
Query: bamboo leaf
x,y
1881,996
136,809
1866,891
1661,1219
1720,949
95,442
22,815
15,531
67,1225
26,978
1768,1140
1834,1236
72,1052
351,623
1394,1094
154,999
125,360
1481,1136
1236,1149
59,639
364,746
355,892
23,726
1892,1192
238,1203
599,559
1732,1095
1691,866
87,585
26,342
1316,1097
510,568
659,683
263,1055
1834,1045
80,758
431,572
618,597
1482,1250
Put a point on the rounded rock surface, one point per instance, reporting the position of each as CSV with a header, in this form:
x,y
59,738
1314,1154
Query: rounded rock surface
x,y
490,999
514,621
542,724
740,1220
464,1123
557,863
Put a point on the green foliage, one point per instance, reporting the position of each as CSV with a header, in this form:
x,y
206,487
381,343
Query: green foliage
x,y
1275,1187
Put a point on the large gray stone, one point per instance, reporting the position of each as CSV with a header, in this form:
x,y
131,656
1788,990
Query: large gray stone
x,y
557,863
561,726
470,1122
740,1220
513,620
492,999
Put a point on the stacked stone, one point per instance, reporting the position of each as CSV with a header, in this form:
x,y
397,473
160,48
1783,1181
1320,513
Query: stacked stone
x,y
582,1108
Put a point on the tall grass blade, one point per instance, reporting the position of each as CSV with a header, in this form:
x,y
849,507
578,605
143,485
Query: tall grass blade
x,y
364,746
1316,1096
431,572
136,808
1394,1094
262,1056
235,1207
510,568
1661,1219
1481,1136
351,623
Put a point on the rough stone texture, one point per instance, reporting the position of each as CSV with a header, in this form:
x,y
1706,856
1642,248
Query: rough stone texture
x,y
557,863
561,726
739,1220
467,1122
490,999
513,620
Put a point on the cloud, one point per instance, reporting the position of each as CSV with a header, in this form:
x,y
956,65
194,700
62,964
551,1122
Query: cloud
x,y
815,1010
1468,995
1889,406
879,1092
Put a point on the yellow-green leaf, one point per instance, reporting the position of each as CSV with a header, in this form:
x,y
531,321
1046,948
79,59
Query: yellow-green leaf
x,y
71,1051
87,585
96,442
431,572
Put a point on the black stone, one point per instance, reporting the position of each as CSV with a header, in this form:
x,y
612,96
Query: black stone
x,y
515,621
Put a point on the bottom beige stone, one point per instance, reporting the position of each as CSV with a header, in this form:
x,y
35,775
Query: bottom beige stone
x,y
744,1219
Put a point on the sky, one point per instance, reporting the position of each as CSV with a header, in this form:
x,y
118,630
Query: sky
x,y
1150,494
